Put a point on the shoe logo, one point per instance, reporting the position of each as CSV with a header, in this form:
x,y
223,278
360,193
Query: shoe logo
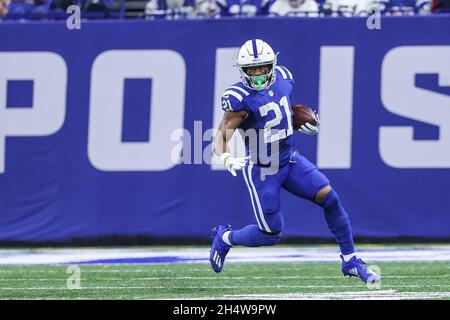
x,y
353,271
217,259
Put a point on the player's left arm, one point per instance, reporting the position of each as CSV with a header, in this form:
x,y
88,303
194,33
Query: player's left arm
x,y
307,128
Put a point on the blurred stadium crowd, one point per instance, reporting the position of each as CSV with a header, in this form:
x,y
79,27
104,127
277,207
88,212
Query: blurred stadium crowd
x,y
197,9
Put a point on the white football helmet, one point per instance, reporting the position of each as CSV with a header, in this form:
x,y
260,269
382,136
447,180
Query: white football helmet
x,y
256,53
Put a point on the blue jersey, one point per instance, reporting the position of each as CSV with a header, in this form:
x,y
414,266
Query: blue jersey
x,y
267,130
261,6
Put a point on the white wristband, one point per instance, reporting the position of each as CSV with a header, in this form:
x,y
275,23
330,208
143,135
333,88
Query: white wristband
x,y
224,157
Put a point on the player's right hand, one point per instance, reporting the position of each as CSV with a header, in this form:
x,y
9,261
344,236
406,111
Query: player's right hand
x,y
233,164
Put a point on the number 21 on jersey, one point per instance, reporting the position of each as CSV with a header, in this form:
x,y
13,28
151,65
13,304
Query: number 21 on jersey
x,y
272,134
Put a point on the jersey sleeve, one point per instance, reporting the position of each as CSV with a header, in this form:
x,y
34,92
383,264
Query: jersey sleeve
x,y
286,75
233,99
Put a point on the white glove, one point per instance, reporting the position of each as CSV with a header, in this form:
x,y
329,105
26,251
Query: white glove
x,y
232,164
308,128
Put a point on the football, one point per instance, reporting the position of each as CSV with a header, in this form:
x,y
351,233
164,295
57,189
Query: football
x,y
301,115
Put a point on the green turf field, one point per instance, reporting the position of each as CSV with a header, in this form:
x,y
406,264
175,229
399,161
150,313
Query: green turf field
x,y
237,281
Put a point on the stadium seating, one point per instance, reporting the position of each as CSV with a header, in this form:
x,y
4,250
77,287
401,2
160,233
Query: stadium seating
x,y
54,9
188,9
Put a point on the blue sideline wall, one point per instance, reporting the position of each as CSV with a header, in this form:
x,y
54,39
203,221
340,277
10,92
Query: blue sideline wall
x,y
87,116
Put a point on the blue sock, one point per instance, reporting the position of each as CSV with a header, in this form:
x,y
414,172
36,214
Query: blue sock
x,y
252,236
338,222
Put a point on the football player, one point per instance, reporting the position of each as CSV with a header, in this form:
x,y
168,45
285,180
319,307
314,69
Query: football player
x,y
261,102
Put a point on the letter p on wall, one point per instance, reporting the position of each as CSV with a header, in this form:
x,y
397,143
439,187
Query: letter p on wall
x,y
48,73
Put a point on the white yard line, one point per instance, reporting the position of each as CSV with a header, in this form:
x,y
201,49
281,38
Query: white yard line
x,y
345,295
361,295
216,287
223,278
106,269
201,255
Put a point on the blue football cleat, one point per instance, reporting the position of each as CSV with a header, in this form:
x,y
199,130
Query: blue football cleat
x,y
357,268
219,249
